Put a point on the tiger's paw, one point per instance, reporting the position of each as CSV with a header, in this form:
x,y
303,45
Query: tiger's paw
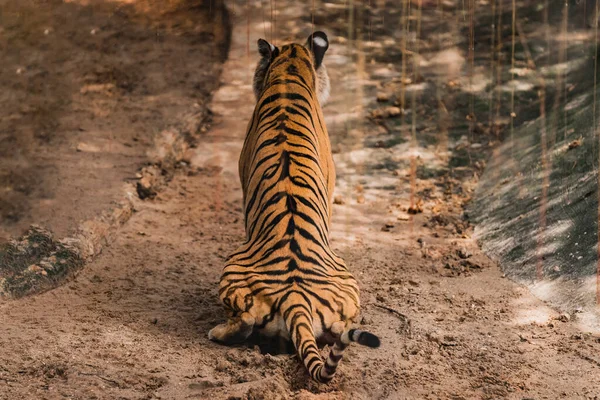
x,y
233,331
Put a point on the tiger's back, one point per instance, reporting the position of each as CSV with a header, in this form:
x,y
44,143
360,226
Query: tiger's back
x,y
285,280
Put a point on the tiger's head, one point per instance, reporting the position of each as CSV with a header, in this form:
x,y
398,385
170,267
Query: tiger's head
x,y
272,57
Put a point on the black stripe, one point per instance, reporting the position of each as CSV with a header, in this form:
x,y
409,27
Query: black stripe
x,y
334,358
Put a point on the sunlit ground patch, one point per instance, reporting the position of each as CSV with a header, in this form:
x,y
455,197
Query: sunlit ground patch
x,y
529,310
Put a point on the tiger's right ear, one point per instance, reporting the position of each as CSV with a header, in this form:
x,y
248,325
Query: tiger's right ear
x,y
267,50
318,44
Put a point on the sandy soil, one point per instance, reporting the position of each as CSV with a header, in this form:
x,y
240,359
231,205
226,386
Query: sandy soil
x,y
84,88
134,323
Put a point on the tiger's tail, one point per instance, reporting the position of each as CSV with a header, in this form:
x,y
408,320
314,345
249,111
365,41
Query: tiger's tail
x,y
299,324
337,351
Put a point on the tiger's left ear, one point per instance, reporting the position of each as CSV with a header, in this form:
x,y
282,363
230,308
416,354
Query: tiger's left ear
x,y
318,44
267,50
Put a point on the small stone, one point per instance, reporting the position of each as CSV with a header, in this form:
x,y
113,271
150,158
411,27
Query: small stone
x,y
34,268
564,317
387,227
145,188
416,208
338,200
87,148
383,97
386,112
574,144
464,253
222,365
360,199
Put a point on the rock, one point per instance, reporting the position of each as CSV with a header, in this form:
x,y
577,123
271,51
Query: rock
x,y
564,317
386,112
338,200
222,365
152,179
35,262
463,253
383,97
360,199
87,148
144,188
387,227
574,144
416,208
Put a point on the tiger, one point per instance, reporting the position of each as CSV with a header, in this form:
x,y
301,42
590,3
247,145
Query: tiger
x,y
285,280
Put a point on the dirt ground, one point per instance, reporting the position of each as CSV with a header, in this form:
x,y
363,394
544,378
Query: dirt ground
x,y
84,88
133,324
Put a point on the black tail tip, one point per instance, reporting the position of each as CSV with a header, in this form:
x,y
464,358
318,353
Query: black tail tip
x,y
368,339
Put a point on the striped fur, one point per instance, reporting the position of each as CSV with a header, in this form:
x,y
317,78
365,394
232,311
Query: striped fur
x,y
285,280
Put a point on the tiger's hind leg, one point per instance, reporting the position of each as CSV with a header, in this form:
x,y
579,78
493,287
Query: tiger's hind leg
x,y
235,330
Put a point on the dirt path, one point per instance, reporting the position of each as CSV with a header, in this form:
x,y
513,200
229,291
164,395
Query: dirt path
x,y
134,323
85,86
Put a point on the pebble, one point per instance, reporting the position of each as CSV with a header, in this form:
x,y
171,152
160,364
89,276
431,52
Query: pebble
x,y
383,97
464,253
564,317
386,112
222,365
87,148
338,200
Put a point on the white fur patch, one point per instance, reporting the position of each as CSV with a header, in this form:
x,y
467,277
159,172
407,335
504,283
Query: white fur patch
x,y
324,93
323,85
272,47
319,41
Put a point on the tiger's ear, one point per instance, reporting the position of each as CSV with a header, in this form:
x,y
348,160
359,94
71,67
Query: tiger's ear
x,y
318,44
267,50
